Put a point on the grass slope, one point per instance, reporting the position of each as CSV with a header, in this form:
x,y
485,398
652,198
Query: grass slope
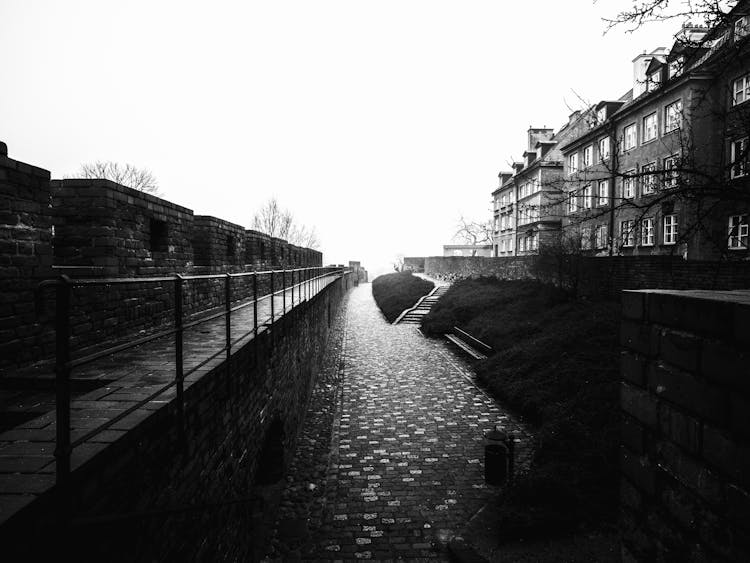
x,y
556,362
398,291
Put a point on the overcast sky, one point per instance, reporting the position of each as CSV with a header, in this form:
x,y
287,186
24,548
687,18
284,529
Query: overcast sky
x,y
378,122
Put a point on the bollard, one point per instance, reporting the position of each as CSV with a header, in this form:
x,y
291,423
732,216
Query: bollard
x,y
497,457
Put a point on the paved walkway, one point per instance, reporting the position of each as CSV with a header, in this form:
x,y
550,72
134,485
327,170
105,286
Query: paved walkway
x,y
405,471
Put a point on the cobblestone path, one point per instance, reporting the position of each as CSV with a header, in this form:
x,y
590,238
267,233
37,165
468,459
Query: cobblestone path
x,y
405,468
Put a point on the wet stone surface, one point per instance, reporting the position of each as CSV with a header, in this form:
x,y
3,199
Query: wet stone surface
x,y
399,428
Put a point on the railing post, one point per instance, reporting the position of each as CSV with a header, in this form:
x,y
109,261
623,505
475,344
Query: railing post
x,y
283,290
62,379
271,296
255,304
178,356
228,316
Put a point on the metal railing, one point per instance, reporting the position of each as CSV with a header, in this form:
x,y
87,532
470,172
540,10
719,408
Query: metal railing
x,y
309,282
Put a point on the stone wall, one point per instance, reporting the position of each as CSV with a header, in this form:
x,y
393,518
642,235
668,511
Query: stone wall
x,y
598,277
25,255
164,491
685,398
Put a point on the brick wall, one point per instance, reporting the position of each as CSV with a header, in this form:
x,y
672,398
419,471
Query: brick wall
x,y
103,228
685,398
25,255
151,495
218,245
598,277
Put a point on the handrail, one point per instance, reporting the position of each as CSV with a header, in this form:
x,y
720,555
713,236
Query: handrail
x,y
308,279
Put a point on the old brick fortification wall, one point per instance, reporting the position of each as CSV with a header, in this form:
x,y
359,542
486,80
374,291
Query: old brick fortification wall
x,y
25,255
459,267
102,229
686,426
153,495
598,277
414,263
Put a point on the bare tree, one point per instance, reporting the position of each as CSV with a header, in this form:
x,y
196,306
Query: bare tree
x,y
707,13
276,221
140,179
398,263
473,233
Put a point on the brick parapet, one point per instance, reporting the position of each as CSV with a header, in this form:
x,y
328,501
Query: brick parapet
x,y
103,229
685,398
25,254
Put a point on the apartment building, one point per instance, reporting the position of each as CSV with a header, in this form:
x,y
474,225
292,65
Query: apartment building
x,y
527,201
664,169
504,220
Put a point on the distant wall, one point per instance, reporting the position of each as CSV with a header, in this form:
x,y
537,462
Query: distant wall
x,y
685,399
598,277
414,263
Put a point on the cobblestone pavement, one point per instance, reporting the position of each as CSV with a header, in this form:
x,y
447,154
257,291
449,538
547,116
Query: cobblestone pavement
x,y
406,467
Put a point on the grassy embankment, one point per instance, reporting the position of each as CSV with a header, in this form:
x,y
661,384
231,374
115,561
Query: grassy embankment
x,y
555,363
398,291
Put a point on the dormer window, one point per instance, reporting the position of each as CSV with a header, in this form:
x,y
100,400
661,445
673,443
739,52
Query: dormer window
x,y
675,67
654,79
601,115
741,27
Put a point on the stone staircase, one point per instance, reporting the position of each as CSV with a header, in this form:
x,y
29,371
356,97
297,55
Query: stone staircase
x,y
422,307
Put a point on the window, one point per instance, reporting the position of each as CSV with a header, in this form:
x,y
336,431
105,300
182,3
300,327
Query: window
x,y
522,244
603,193
653,81
627,234
670,229
158,236
739,158
675,66
648,179
573,163
649,128
601,114
588,154
572,202
628,185
647,232
629,136
588,196
741,27
673,116
604,148
741,90
601,236
738,231
671,174
586,238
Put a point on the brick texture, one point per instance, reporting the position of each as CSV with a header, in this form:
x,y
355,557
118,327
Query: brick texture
x,y
685,444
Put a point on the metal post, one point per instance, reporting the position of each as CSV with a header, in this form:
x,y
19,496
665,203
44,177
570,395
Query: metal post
x,y
178,335
271,296
228,316
283,290
255,305
62,379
